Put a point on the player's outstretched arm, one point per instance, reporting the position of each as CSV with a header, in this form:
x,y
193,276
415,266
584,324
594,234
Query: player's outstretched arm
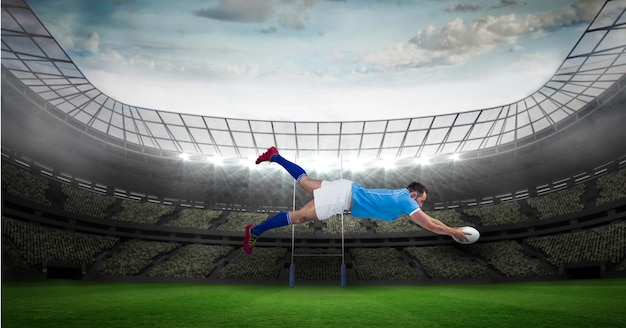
x,y
436,226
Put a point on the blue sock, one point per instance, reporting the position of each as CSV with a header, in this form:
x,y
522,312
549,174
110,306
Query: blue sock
x,y
279,220
296,171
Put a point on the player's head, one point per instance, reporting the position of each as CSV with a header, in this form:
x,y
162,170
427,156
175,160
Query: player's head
x,y
418,192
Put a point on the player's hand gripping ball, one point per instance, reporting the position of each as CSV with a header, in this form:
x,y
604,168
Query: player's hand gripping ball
x,y
471,238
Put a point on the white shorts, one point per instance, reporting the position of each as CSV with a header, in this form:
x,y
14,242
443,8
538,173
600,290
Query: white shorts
x,y
332,198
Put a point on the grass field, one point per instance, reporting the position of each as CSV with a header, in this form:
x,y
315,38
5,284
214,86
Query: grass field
x,y
65,303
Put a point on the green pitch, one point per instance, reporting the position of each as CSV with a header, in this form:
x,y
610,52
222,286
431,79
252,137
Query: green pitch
x,y
60,303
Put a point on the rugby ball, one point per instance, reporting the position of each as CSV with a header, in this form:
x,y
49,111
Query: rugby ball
x,y
472,238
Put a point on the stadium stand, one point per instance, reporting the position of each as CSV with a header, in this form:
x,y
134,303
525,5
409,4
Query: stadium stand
x,y
601,244
402,224
107,256
351,225
559,202
381,264
237,221
318,264
190,261
450,217
86,202
12,260
498,214
447,262
263,264
144,213
39,245
299,229
194,218
508,257
21,183
611,187
132,257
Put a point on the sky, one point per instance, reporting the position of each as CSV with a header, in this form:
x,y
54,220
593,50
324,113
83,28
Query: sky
x,y
317,60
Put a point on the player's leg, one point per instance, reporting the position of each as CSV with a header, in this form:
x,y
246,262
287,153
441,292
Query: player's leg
x,y
303,215
309,185
298,173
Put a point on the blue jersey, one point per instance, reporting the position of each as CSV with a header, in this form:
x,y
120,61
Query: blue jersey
x,y
382,204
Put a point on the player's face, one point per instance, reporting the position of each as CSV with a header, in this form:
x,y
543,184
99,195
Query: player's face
x,y
420,199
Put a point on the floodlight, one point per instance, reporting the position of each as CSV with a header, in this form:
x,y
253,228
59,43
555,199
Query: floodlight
x,y
355,164
217,160
323,163
424,160
386,163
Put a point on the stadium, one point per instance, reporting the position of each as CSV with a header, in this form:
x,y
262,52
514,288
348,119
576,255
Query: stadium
x,y
97,191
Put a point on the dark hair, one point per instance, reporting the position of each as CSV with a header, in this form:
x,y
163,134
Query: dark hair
x,y
417,187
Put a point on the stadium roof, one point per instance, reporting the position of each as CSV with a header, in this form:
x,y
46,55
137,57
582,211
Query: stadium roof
x,y
316,60
593,65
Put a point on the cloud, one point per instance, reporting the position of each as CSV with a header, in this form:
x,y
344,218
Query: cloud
x,y
296,14
289,14
85,46
249,70
471,7
464,7
581,12
504,4
243,11
269,30
533,66
457,41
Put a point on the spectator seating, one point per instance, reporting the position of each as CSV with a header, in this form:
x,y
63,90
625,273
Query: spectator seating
x,y
498,214
401,224
194,218
300,229
85,202
144,213
447,262
237,221
323,264
262,264
381,264
559,202
133,256
22,183
450,217
39,244
601,244
611,187
12,259
351,225
190,261
509,258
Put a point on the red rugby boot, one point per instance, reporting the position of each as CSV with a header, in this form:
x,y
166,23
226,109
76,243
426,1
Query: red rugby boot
x,y
249,240
267,156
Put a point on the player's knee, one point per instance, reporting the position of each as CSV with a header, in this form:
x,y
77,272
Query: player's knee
x,y
308,184
300,219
